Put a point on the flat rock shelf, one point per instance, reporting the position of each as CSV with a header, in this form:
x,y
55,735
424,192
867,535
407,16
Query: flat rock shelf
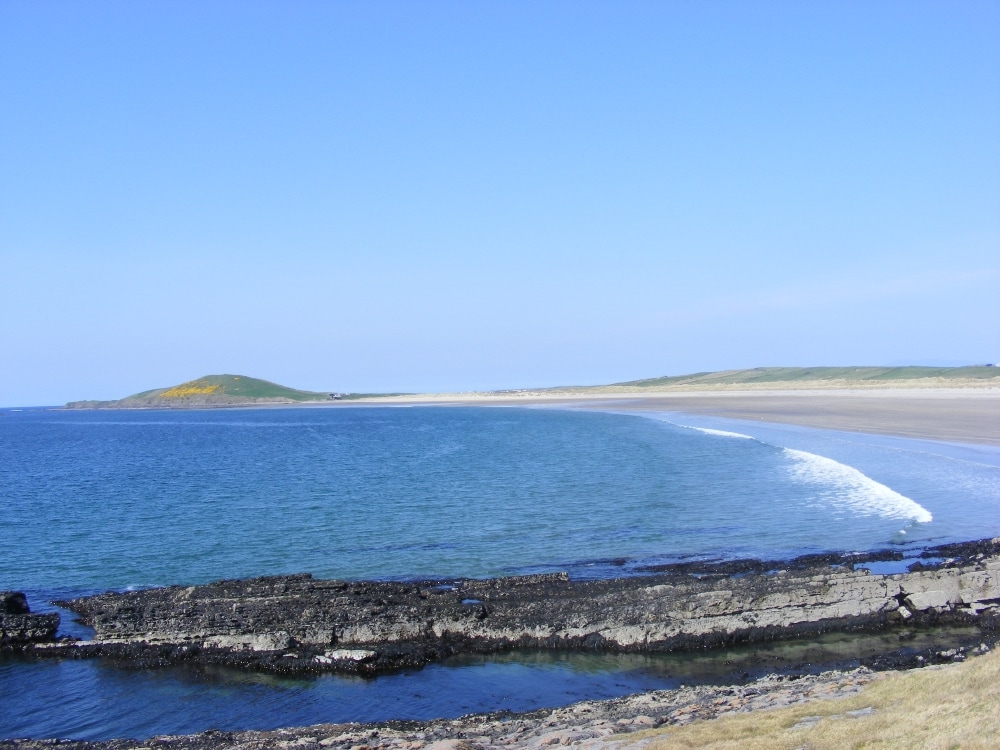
x,y
297,624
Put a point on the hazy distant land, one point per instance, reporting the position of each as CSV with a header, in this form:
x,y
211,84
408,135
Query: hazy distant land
x,y
959,404
809,377
240,390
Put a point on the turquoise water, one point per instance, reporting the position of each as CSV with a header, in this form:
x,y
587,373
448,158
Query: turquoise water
x,y
112,500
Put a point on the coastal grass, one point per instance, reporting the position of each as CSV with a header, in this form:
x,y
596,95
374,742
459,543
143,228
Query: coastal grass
x,y
800,375
939,708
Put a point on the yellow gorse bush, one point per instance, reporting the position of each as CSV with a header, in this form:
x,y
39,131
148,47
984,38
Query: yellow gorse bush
x,y
194,388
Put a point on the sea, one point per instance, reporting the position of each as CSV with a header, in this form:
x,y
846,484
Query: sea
x,y
117,500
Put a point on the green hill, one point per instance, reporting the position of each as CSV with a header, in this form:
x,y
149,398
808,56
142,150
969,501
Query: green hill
x,y
235,386
211,390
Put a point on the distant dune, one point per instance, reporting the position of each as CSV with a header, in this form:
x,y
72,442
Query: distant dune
x,y
798,379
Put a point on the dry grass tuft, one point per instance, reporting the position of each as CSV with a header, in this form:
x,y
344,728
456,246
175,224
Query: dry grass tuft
x,y
945,708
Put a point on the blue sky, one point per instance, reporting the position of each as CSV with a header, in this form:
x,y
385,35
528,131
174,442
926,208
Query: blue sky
x,y
429,196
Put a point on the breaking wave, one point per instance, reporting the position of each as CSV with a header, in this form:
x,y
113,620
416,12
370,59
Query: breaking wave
x,y
839,483
847,486
710,431
723,433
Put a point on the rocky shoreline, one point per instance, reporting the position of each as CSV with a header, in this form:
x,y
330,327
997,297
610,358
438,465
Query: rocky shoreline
x,y
19,627
297,624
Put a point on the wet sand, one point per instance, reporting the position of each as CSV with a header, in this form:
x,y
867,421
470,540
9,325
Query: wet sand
x,y
951,415
971,417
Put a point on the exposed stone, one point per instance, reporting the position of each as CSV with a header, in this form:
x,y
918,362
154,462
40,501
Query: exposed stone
x,y
807,722
351,654
13,603
19,627
927,600
299,623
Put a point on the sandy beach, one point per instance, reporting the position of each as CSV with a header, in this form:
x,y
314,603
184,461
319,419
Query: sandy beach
x,y
960,415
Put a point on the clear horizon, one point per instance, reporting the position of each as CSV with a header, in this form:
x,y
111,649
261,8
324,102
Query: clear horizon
x,y
375,197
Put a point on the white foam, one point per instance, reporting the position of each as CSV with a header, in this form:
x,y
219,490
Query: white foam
x,y
709,431
723,433
847,486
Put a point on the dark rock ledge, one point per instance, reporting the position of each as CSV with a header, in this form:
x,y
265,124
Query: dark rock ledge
x,y
295,623
19,628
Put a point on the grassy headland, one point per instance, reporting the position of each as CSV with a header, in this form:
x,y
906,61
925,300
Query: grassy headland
x,y
210,390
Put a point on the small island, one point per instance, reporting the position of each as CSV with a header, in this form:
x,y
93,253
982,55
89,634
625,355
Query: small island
x,y
212,391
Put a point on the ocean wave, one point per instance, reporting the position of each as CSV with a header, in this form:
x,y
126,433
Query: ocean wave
x,y
841,484
710,431
848,486
722,433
